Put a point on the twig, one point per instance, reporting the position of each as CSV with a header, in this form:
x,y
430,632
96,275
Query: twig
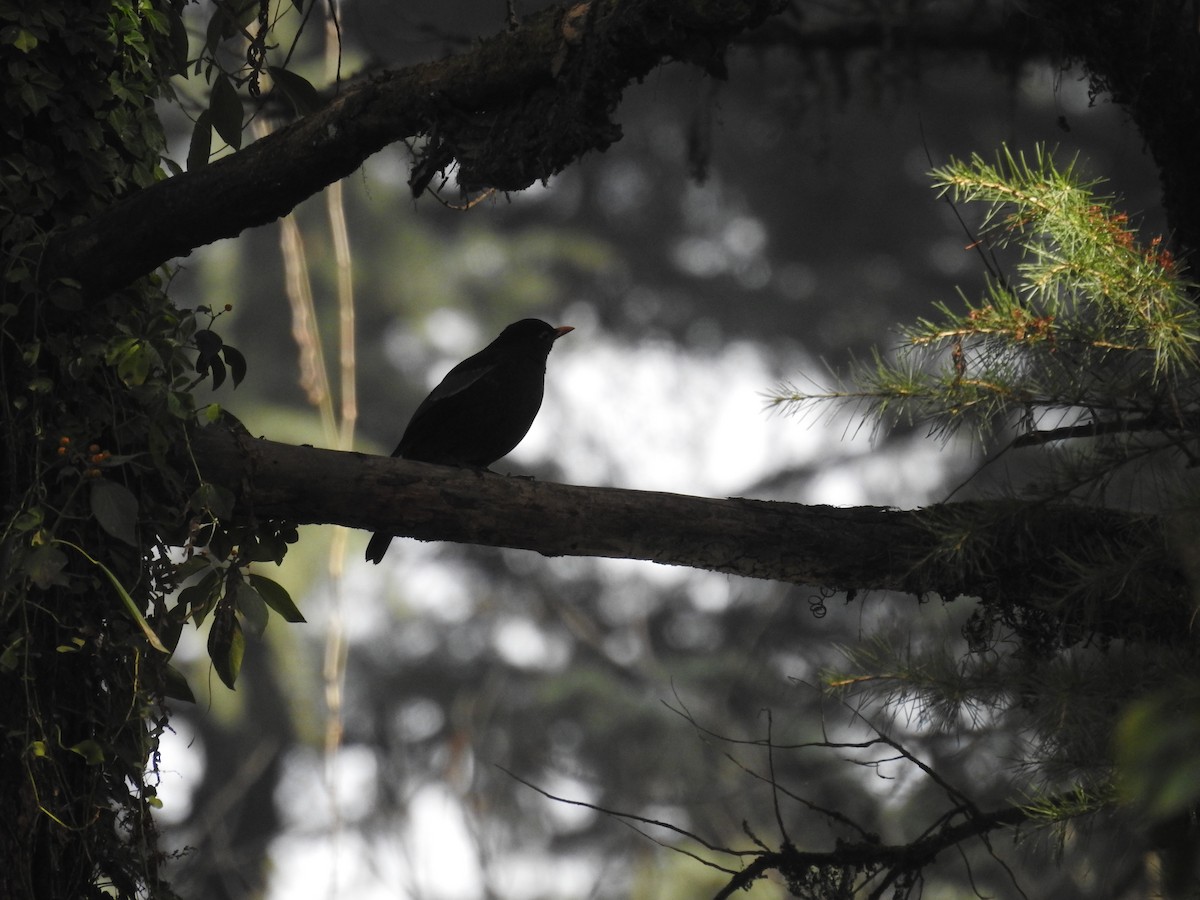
x,y
632,817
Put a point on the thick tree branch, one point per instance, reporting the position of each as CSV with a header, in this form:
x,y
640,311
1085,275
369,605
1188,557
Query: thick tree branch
x,y
1007,553
864,547
515,109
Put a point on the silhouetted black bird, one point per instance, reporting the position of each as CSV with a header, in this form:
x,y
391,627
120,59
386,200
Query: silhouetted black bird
x,y
482,408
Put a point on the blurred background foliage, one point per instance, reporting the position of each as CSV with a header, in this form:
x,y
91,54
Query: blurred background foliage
x,y
742,233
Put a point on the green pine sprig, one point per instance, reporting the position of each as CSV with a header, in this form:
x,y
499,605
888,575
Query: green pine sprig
x,y
1093,326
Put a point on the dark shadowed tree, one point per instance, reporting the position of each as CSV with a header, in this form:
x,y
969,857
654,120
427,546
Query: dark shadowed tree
x,y
117,490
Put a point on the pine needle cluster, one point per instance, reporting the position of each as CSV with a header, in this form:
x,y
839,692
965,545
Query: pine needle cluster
x,y
1093,333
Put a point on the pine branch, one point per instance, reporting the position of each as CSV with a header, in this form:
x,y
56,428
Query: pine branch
x,y
1094,320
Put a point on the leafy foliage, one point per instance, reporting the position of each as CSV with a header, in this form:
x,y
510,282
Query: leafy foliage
x,y
98,486
233,57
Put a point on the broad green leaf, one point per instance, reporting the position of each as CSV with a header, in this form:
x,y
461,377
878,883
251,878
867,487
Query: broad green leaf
x,y
192,566
299,91
29,519
277,597
65,297
215,499
262,548
178,43
226,111
134,367
237,364
226,646
89,750
198,599
118,349
176,686
220,26
208,346
179,404
169,628
253,608
45,566
25,41
10,656
217,370
34,97
116,509
244,12
200,146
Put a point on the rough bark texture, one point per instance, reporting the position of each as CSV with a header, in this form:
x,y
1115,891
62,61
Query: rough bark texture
x,y
515,109
1045,568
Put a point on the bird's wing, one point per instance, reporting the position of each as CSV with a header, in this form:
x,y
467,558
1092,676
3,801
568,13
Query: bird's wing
x,y
457,380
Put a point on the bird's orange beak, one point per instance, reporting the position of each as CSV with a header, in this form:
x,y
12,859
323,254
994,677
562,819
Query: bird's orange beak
x,y
561,330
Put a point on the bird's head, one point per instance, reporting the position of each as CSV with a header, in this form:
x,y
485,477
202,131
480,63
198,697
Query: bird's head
x,y
531,332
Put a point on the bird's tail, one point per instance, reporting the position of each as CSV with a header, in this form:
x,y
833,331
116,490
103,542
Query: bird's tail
x,y
378,545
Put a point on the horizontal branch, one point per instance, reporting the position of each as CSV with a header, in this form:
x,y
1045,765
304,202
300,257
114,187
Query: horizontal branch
x,y
863,546
552,84
1098,428
1012,555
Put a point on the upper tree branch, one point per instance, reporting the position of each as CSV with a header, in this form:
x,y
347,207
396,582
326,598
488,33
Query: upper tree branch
x,y
1007,553
515,109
